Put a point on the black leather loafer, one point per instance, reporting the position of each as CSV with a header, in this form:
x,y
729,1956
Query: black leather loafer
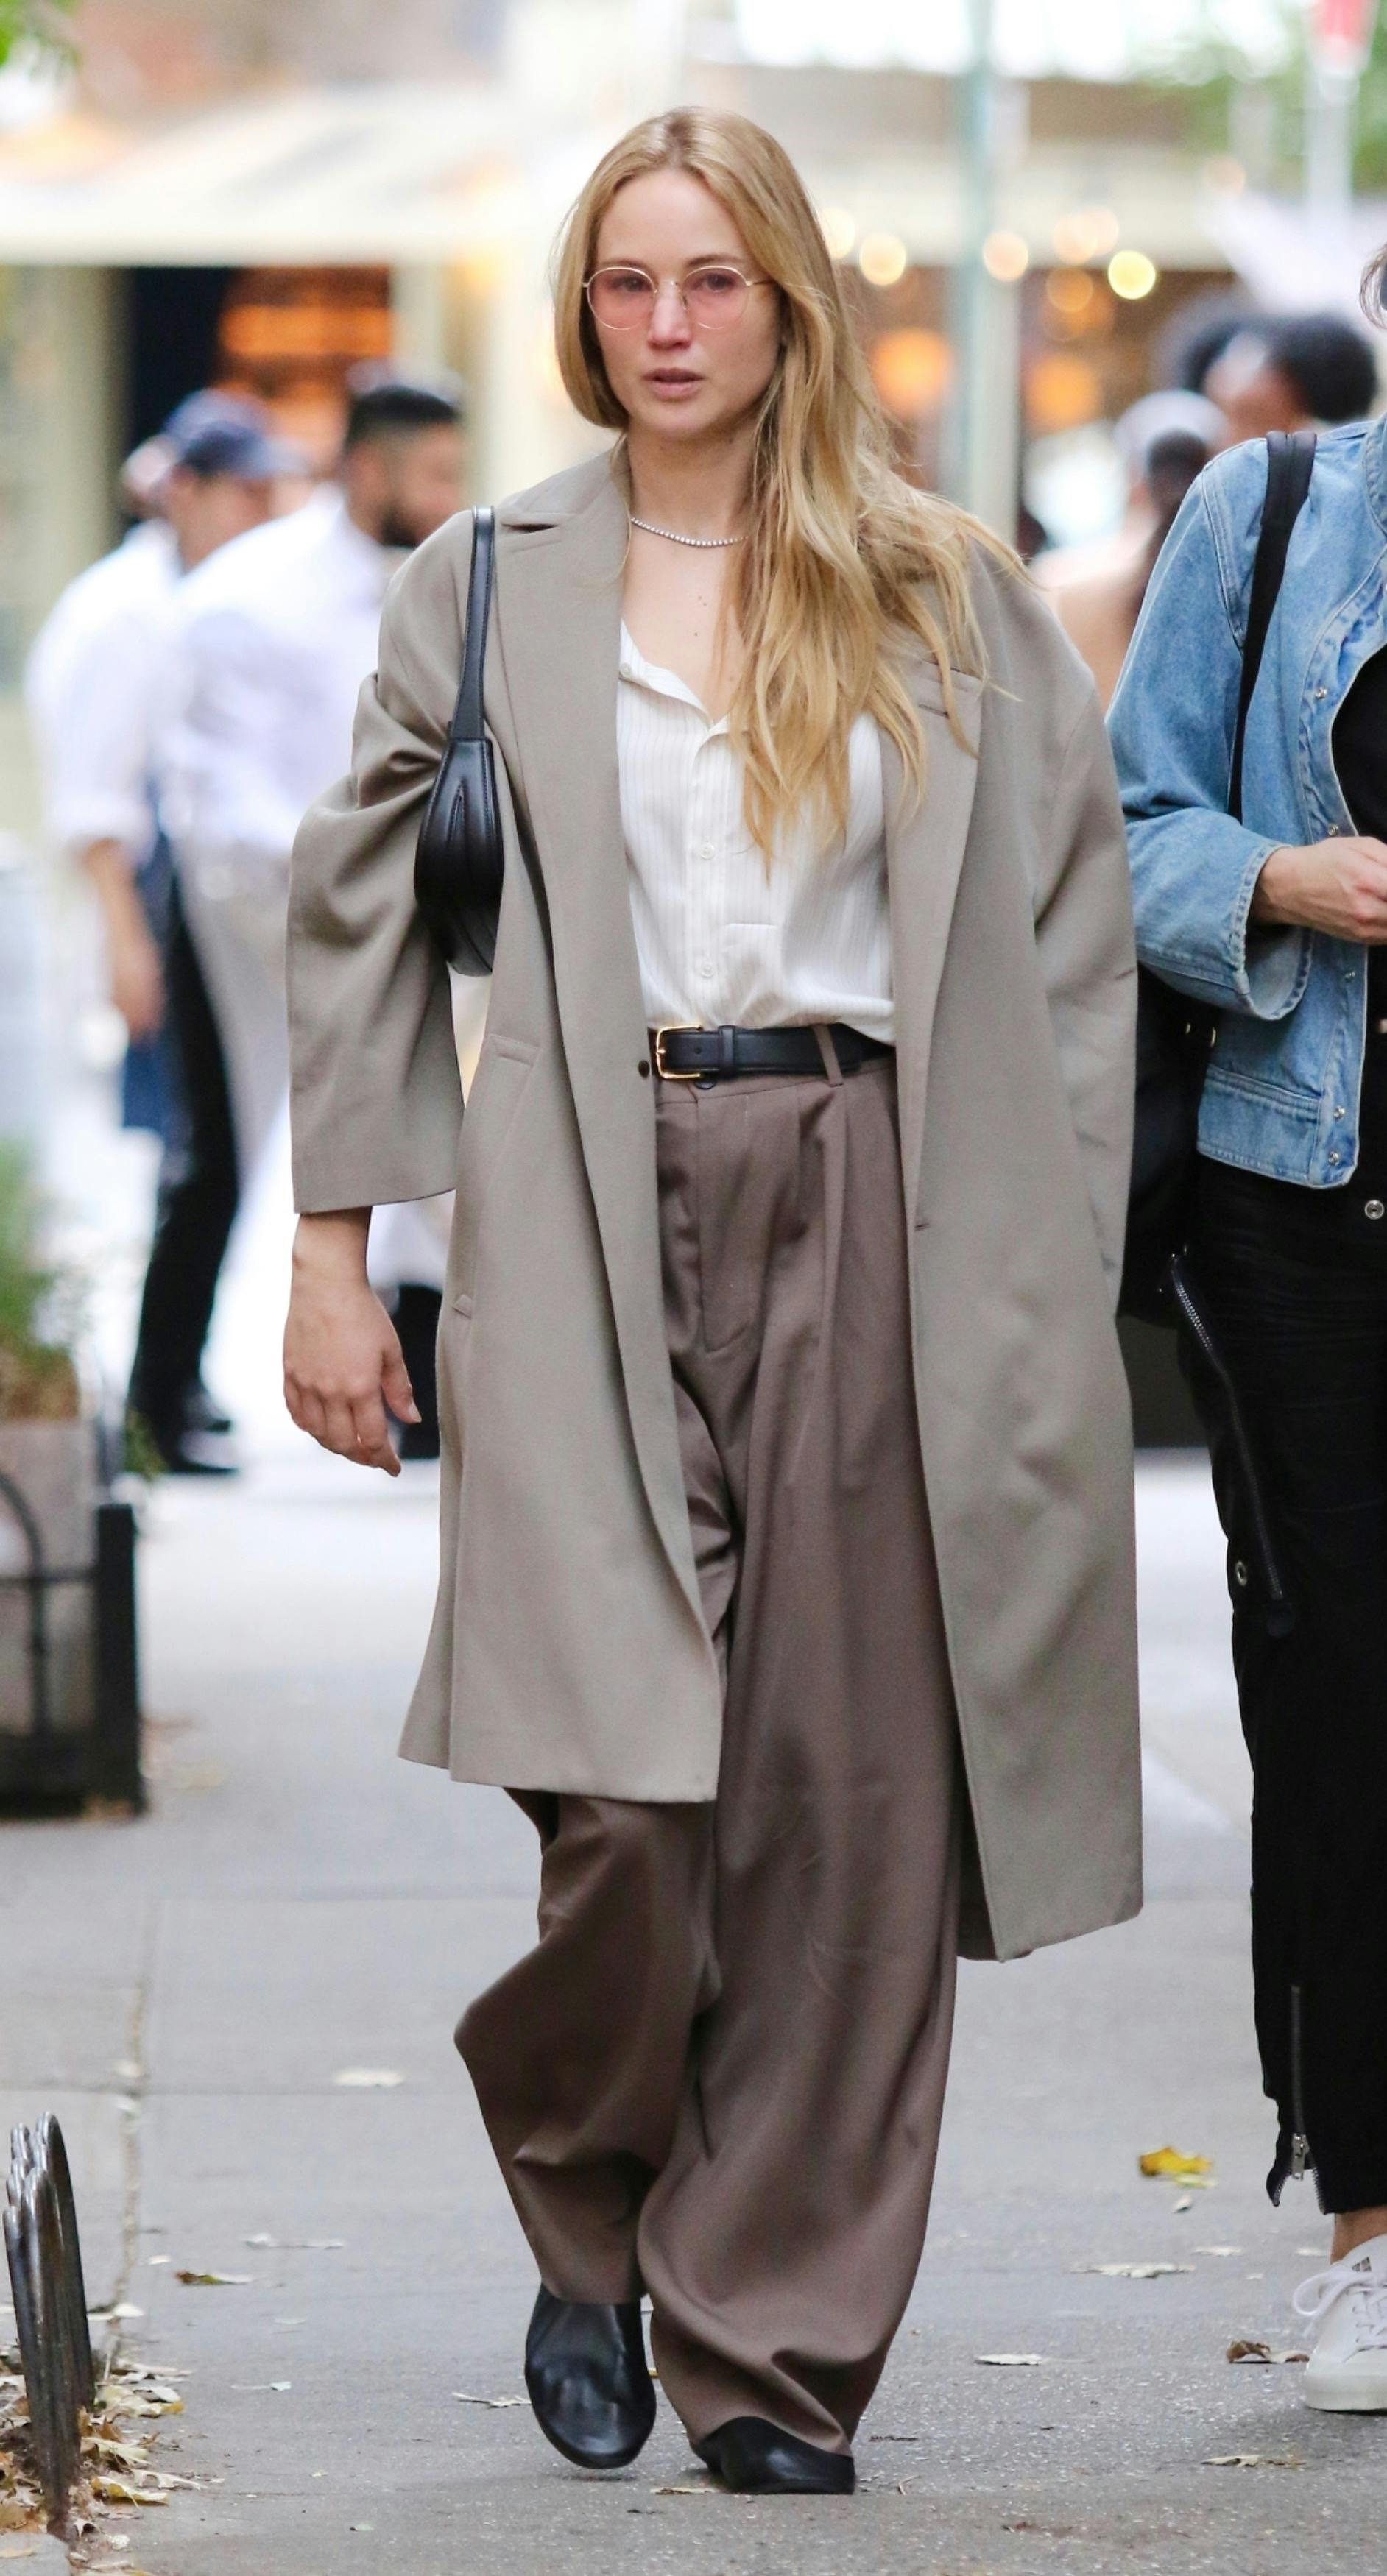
x,y
589,2383
754,2458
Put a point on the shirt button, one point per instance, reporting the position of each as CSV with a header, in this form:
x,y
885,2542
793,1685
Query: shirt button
x,y
1338,1113
705,849
705,969
1336,1158
1374,1208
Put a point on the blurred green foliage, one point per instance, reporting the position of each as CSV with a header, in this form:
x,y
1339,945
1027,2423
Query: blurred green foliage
x,y
1258,115
34,25
37,1379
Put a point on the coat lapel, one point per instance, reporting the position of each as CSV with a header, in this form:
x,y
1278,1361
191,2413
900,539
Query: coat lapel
x,y
925,842
558,604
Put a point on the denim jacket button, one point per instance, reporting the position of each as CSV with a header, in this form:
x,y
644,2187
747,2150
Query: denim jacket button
x,y
1336,1158
1374,1208
1338,1113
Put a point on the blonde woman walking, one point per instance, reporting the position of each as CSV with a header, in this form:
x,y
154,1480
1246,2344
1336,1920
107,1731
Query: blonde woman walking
x,y
787,1572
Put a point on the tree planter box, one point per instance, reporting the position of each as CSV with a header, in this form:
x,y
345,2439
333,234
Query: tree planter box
x,y
69,1702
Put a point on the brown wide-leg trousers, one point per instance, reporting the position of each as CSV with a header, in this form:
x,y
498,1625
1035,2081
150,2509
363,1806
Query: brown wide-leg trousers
x,y
719,2076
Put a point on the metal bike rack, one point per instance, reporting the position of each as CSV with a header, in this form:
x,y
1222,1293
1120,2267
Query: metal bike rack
x,y
50,2308
102,1759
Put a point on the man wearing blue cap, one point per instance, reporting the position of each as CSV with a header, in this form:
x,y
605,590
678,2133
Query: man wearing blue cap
x,y
94,682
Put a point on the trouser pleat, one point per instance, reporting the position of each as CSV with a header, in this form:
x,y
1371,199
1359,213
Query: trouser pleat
x,y
721,2073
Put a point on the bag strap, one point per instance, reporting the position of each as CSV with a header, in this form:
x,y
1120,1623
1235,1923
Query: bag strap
x,y
468,724
1290,463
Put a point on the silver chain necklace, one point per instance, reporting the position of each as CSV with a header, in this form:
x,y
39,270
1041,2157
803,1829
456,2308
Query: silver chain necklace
x,y
676,539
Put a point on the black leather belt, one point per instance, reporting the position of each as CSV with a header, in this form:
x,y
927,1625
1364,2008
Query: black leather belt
x,y
712,1055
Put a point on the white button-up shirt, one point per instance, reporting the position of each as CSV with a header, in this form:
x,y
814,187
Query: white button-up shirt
x,y
272,639
723,939
92,687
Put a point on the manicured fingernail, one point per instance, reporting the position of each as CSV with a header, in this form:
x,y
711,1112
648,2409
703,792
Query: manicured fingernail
x,y
414,1414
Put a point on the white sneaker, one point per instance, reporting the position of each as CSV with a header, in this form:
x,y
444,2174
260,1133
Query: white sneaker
x,y
1347,2371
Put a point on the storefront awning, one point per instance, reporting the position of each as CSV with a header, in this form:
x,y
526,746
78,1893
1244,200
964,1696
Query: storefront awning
x,y
394,173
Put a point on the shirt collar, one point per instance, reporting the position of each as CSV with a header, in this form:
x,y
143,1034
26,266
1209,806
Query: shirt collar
x,y
643,674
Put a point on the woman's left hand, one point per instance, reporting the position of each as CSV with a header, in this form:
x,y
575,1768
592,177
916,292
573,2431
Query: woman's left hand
x,y
342,1359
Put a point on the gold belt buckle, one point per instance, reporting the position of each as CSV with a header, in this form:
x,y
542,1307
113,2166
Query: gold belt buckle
x,y
674,1029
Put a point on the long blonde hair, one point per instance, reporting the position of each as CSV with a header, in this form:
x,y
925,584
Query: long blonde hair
x,y
845,562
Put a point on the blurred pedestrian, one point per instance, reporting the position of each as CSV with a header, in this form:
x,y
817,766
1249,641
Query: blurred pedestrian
x,y
1096,591
1293,371
271,646
95,682
1279,922
792,1181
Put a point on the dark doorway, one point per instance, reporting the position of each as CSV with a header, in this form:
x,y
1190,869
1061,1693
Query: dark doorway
x,y
172,341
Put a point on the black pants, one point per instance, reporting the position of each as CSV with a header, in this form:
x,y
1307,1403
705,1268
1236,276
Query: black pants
x,y
1298,1303
199,1188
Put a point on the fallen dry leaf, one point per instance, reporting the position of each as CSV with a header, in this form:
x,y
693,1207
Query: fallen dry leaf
x,y
1136,2271
120,2491
215,2280
1249,2349
1254,2460
300,2244
465,2398
1167,2164
1011,2360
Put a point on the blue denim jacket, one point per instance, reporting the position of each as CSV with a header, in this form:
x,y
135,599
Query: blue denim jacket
x,y
1281,1095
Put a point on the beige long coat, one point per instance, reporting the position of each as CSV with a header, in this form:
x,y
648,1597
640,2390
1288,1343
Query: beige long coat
x,y
568,1648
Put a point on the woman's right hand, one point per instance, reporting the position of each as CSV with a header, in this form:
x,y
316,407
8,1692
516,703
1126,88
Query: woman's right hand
x,y
1339,886
342,1359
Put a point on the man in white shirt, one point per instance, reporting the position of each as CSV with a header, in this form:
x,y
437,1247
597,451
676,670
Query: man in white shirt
x,y
271,645
92,675
94,683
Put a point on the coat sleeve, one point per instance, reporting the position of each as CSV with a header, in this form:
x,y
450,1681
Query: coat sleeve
x,y
1083,929
1194,867
375,1097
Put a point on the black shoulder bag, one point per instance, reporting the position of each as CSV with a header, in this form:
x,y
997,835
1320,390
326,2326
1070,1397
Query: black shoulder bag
x,y
459,859
1174,1034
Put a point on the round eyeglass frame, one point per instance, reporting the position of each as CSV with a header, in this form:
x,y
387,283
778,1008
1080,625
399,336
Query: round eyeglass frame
x,y
681,285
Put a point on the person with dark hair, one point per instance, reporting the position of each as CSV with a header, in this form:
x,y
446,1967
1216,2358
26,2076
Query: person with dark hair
x,y
1195,338
1293,371
271,648
1274,917
1096,591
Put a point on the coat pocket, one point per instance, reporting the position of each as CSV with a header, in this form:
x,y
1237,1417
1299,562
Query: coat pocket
x,y
497,1091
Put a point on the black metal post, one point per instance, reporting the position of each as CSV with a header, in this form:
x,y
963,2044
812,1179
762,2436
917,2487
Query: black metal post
x,y
116,1748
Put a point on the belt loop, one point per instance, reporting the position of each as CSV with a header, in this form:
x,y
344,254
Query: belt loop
x,y
727,1050
832,1068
